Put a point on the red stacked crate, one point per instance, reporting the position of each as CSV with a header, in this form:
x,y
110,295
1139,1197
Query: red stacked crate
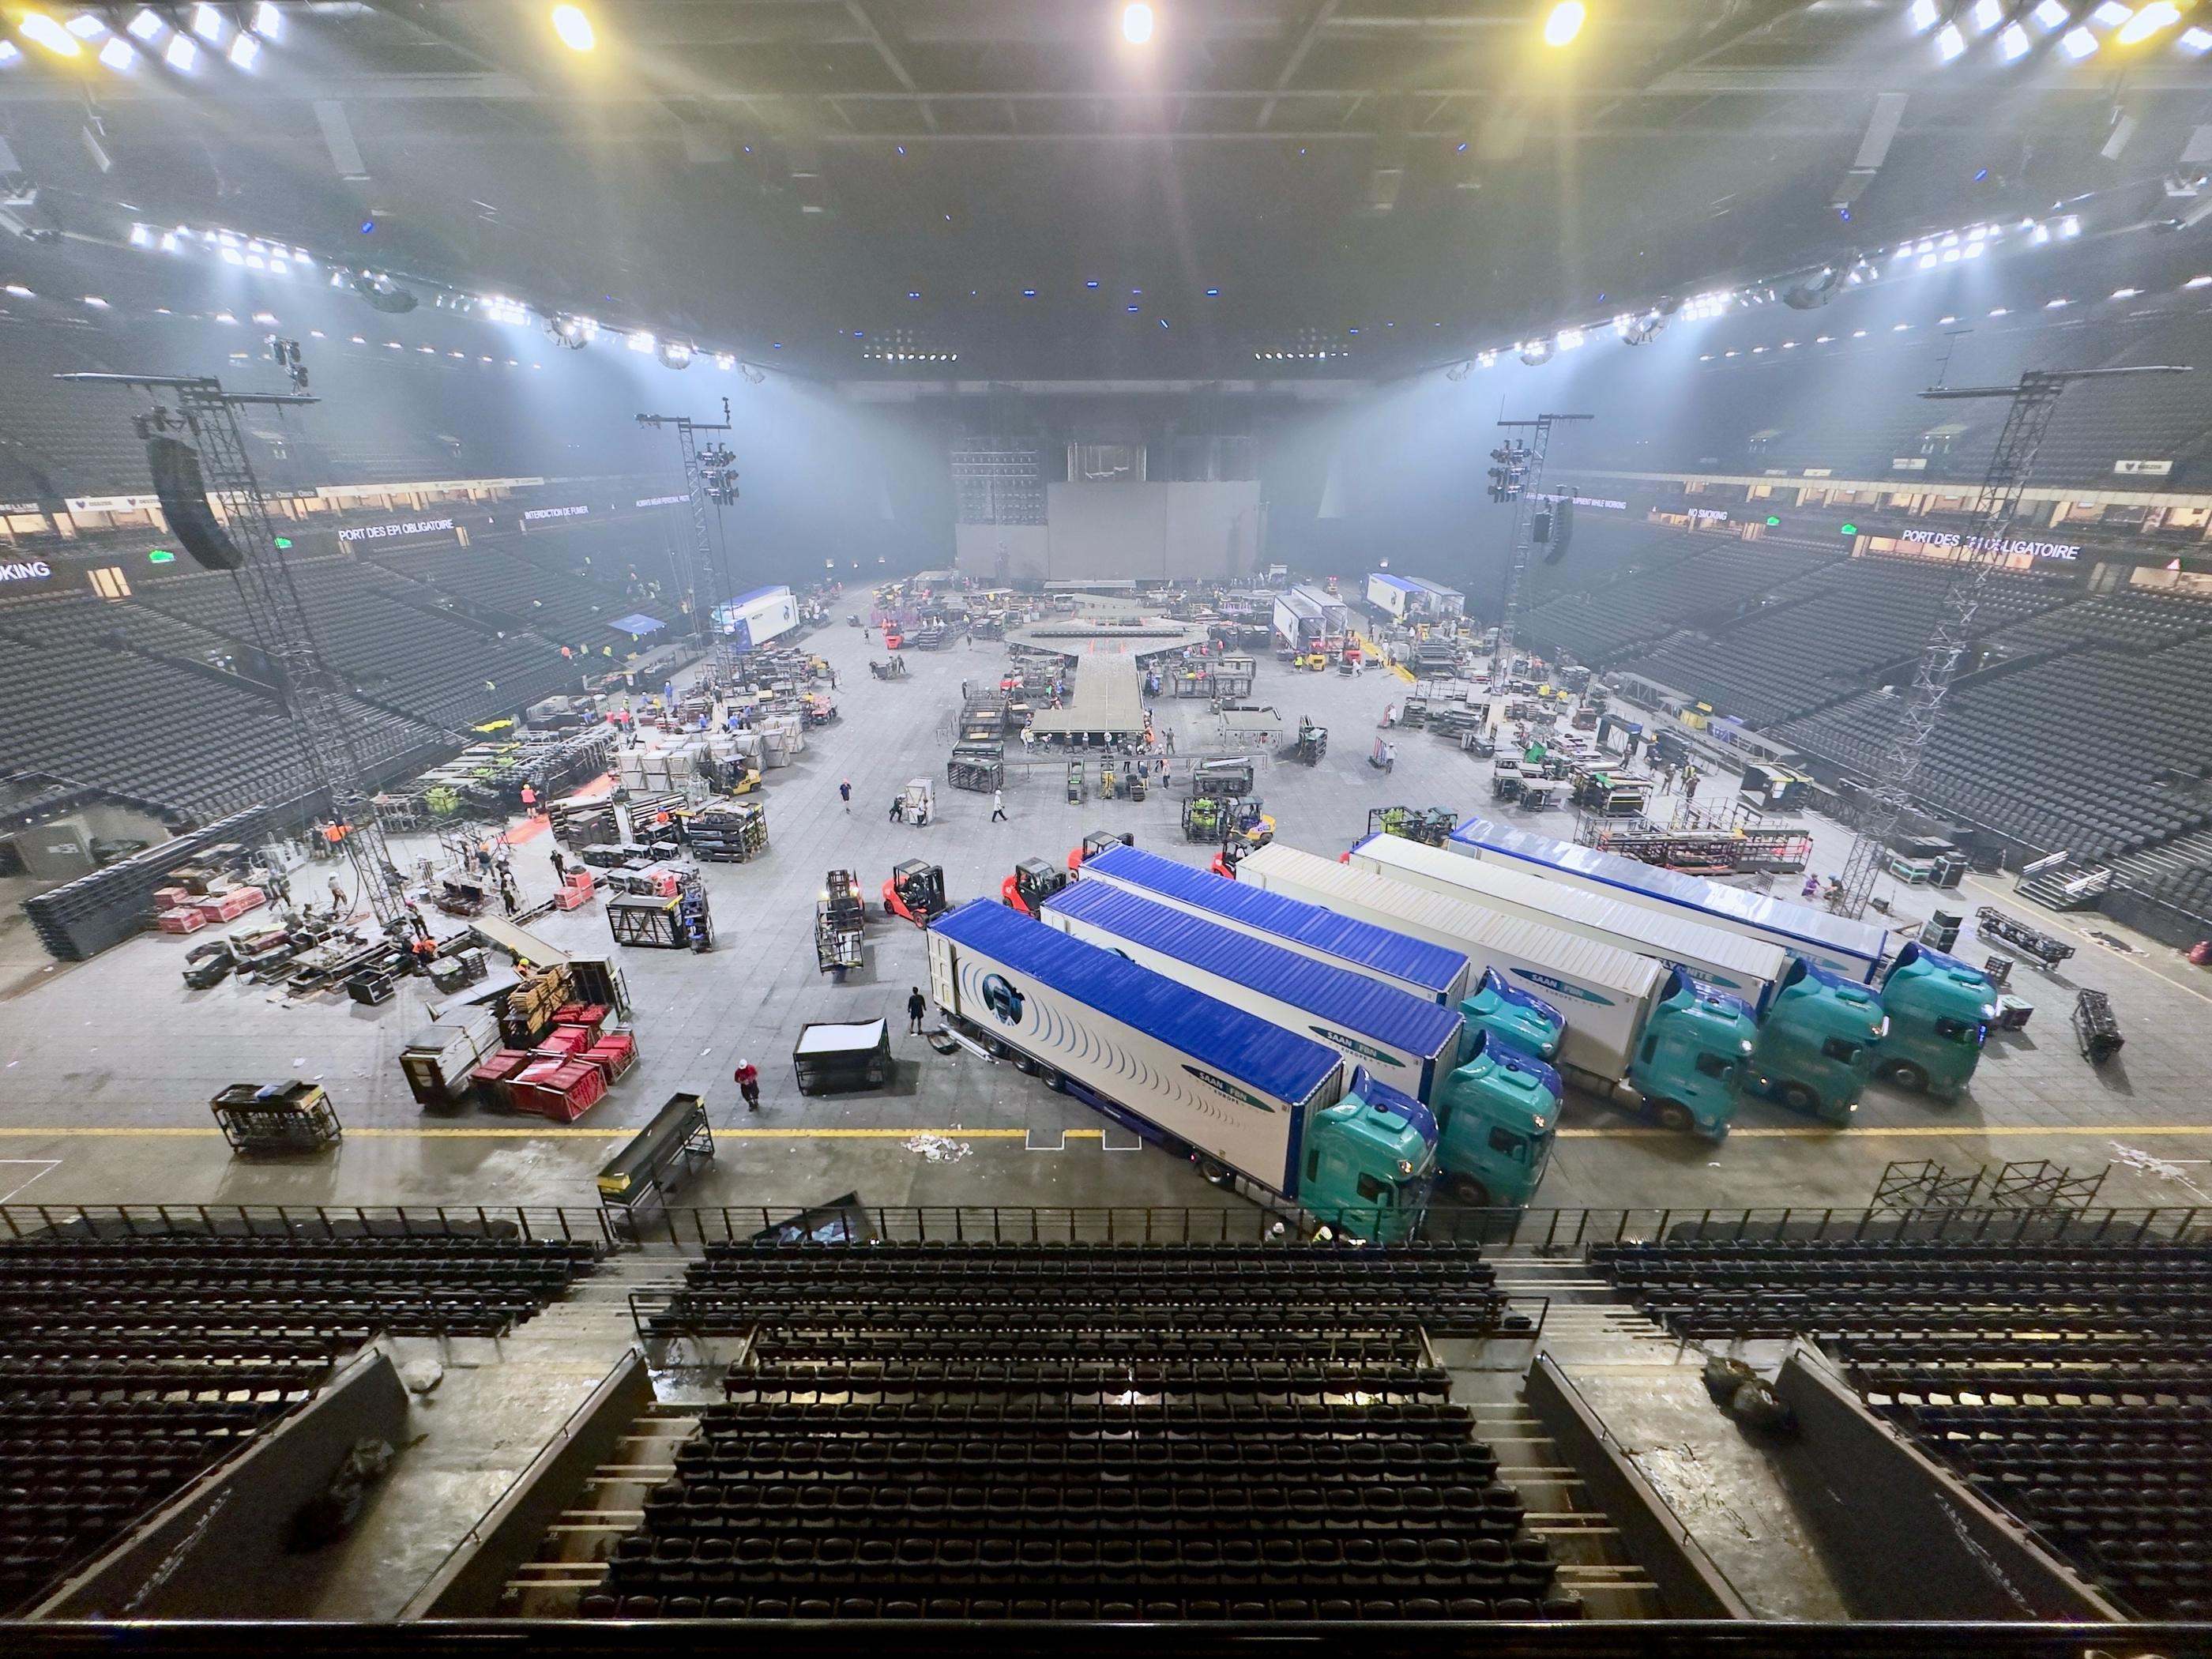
x,y
614,1053
494,1077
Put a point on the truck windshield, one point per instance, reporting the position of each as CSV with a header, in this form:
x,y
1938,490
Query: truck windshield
x,y
1539,1151
1968,1033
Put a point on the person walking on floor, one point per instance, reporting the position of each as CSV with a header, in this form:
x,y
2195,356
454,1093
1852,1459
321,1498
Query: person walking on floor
x,y
916,1007
508,897
747,1077
845,793
898,808
998,807
1689,784
560,868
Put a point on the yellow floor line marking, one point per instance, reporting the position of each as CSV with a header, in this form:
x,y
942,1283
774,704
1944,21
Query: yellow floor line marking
x,y
554,1132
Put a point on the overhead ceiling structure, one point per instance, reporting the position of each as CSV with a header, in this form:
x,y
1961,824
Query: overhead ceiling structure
x,y
1025,183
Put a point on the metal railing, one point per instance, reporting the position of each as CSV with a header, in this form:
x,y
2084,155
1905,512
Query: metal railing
x,y
1562,1231
537,1224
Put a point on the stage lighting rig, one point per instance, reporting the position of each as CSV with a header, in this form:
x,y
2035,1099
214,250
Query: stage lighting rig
x,y
383,294
285,354
571,333
718,473
1509,471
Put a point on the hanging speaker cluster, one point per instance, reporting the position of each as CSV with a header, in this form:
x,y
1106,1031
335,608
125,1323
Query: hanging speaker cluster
x,y
1562,528
176,469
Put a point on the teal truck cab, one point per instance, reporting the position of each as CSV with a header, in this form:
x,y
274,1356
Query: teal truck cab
x,y
1691,1056
1513,1016
1369,1162
1818,1045
1940,1010
1497,1114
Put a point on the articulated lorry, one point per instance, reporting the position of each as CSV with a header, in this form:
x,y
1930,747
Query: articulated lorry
x,y
1639,1033
1496,1108
1921,1018
1440,974
1854,950
1233,1092
1817,1030
1939,1009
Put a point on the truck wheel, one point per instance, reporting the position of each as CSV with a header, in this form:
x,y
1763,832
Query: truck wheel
x,y
1466,1189
1673,1117
1799,1098
1906,1075
1215,1172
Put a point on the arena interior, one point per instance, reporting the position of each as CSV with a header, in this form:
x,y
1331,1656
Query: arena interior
x,y
709,933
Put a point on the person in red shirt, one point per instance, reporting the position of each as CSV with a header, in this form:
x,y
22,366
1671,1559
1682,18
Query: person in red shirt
x,y
748,1080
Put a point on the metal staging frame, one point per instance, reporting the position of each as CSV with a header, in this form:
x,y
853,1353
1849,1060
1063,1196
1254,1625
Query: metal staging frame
x,y
314,697
703,565
1514,599
2034,401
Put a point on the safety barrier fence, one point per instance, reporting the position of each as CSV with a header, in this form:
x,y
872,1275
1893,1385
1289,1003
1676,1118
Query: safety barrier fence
x,y
1562,1231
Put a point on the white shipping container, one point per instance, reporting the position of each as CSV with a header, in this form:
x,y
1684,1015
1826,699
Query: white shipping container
x,y
1605,994
1747,968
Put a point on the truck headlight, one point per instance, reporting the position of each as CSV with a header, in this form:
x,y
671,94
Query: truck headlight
x,y
1403,1168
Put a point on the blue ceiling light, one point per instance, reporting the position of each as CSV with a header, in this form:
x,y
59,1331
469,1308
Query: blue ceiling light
x,y
1028,294
1163,322
1214,293
368,227
1090,285
1134,309
913,294
902,149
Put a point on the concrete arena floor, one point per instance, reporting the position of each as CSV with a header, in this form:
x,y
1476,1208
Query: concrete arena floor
x,y
105,1066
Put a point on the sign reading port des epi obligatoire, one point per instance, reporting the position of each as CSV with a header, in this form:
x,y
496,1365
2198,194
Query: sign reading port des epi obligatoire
x,y
378,533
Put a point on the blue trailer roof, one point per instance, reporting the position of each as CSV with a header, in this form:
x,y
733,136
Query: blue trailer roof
x,y
1800,921
1389,581
1413,961
1363,1005
1437,588
1228,1040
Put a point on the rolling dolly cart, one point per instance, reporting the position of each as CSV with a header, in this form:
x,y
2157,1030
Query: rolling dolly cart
x,y
640,1177
1077,794
279,1117
2096,1030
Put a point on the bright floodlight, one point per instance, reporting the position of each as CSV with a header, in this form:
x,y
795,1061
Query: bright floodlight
x,y
2077,43
2194,41
574,28
1565,23
1137,24
1986,15
117,54
85,26
2148,21
2013,44
9,51
269,21
37,26
1949,42
1923,16
2112,14
182,54
148,25
244,51
209,24
2051,15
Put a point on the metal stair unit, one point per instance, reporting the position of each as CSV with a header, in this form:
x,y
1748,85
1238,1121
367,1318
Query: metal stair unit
x,y
2034,401
314,697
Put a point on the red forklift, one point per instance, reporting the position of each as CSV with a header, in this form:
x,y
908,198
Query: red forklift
x,y
916,891
1097,841
1033,882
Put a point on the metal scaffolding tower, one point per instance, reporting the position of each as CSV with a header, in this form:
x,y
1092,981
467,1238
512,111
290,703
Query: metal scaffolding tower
x,y
315,697
701,575
1527,472
2034,401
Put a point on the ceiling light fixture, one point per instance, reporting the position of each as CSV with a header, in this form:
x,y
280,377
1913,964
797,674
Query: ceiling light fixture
x,y
574,28
1565,23
182,54
117,54
2077,43
1949,42
269,21
2013,44
1985,16
38,27
1923,16
1137,24
209,24
2148,21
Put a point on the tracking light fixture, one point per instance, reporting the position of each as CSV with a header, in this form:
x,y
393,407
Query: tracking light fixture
x,y
574,28
269,21
210,24
182,54
37,26
1565,23
148,25
2050,16
2013,43
117,54
2148,21
1923,16
1985,15
2077,43
1949,42
1137,24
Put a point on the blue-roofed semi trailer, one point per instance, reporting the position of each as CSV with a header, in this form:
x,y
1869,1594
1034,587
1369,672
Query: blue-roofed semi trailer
x,y
1236,1094
1496,1108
